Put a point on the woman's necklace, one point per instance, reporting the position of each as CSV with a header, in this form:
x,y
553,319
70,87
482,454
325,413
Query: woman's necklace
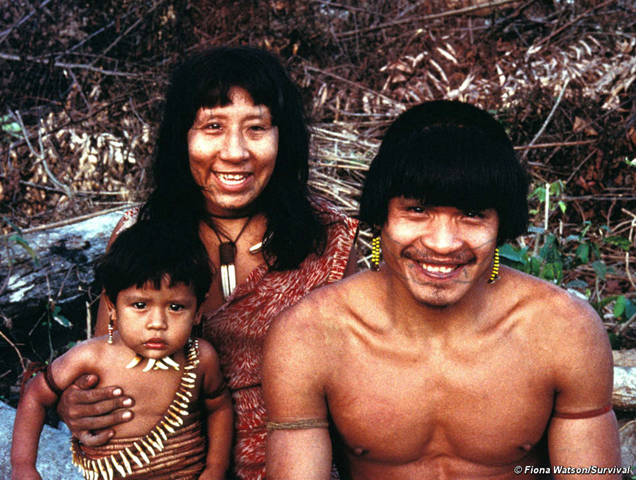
x,y
227,252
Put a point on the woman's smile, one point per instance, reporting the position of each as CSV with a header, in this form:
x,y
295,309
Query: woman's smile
x,y
232,151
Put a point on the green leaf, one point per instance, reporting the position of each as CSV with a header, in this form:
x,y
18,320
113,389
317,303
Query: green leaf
x,y
24,244
12,225
9,125
619,306
621,242
562,206
615,342
508,252
539,193
576,284
583,252
630,309
535,266
62,320
586,226
600,268
605,301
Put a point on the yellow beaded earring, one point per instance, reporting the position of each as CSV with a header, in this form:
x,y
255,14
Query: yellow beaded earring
x,y
494,276
376,253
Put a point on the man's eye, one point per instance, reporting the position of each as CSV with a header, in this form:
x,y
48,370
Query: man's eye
x,y
139,305
416,209
212,126
474,214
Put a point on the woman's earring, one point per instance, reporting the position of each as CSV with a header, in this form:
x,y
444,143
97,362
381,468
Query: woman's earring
x,y
494,276
111,329
376,253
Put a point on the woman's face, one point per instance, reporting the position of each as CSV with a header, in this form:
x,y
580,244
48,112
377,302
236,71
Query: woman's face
x,y
232,152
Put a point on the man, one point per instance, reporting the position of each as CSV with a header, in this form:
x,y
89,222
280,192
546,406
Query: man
x,y
441,364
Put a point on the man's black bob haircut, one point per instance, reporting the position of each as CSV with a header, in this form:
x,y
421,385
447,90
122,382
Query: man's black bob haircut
x,y
149,251
448,153
205,79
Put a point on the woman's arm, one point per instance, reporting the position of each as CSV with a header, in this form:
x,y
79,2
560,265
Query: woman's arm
x,y
218,412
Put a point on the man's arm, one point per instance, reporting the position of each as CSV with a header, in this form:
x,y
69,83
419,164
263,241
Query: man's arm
x,y
298,444
219,414
583,432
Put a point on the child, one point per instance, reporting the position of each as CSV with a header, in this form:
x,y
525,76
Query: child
x,y
154,280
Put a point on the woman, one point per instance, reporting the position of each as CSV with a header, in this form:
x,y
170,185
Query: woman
x,y
231,166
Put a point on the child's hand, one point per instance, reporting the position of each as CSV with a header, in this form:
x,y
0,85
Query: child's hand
x,y
212,474
25,473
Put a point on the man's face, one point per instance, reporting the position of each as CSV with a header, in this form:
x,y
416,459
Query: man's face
x,y
439,254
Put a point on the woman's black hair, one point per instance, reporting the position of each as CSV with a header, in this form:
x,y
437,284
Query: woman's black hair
x,y
149,251
448,153
294,227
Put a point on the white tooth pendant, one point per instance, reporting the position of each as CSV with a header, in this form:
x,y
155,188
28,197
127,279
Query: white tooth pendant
x,y
135,361
150,364
170,362
164,363
228,273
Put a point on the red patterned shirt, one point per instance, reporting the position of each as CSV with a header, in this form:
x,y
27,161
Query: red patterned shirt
x,y
237,330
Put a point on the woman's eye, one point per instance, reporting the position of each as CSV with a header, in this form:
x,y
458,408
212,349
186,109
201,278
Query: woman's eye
x,y
212,126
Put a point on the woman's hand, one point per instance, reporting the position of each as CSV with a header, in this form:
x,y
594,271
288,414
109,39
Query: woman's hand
x,y
91,412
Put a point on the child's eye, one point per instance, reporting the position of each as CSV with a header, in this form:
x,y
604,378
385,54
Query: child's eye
x,y
139,305
416,209
175,307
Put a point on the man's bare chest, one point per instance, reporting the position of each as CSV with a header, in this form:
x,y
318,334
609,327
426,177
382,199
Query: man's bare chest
x,y
490,410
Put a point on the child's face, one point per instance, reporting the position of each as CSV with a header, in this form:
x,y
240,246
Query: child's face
x,y
155,323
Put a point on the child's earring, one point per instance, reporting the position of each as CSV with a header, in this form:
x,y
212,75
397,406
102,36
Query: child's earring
x,y
494,276
376,253
111,329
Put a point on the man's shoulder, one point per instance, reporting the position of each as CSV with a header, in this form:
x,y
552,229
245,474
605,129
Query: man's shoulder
x,y
324,311
549,306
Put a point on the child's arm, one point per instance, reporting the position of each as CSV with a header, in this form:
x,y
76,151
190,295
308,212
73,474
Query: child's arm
x,y
29,420
218,411
31,412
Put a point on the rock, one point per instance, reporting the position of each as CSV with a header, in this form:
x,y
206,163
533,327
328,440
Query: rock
x,y
54,455
628,444
45,306
624,394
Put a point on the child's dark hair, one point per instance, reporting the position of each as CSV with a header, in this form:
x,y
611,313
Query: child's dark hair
x,y
148,252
